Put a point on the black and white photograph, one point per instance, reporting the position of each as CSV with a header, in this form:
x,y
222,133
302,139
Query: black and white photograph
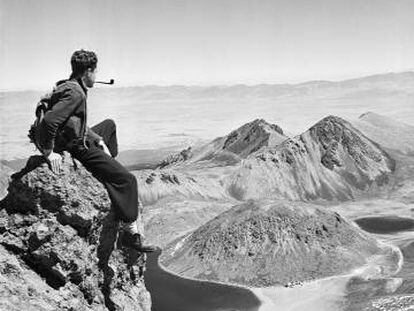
x,y
206,155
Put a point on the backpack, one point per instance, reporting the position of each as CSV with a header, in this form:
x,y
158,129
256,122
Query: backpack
x,y
45,104
42,107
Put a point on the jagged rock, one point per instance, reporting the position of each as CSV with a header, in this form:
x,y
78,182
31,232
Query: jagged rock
x,y
61,227
23,289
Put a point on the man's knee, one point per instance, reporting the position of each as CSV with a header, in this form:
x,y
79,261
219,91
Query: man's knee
x,y
110,123
111,139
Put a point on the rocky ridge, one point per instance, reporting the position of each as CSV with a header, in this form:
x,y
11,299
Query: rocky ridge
x,y
233,147
59,245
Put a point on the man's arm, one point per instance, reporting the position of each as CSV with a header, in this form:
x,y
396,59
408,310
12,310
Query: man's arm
x,y
67,104
92,136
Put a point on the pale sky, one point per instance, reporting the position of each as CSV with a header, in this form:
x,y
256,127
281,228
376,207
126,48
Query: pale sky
x,y
206,42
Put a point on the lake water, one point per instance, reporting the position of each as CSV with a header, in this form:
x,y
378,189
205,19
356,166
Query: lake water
x,y
172,293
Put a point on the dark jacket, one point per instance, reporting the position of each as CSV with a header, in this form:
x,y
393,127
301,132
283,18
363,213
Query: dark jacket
x,y
64,125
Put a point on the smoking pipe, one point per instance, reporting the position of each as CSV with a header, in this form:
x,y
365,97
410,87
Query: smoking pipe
x,y
103,82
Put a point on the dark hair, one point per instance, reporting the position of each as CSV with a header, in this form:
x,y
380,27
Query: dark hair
x,y
82,60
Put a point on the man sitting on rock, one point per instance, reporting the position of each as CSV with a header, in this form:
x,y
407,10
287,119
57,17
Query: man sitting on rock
x,y
64,128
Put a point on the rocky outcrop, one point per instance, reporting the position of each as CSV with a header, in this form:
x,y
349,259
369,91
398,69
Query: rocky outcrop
x,y
273,243
61,232
332,160
230,149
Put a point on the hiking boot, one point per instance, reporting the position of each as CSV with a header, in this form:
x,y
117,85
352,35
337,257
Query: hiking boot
x,y
134,241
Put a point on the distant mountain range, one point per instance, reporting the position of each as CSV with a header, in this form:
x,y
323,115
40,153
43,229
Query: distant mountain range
x,y
332,160
392,81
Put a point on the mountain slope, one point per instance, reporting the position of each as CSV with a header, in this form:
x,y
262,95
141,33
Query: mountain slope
x,y
332,160
231,148
158,184
387,132
263,244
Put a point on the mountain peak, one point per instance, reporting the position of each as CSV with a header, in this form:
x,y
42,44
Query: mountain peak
x,y
330,119
262,123
340,140
250,137
333,131
367,115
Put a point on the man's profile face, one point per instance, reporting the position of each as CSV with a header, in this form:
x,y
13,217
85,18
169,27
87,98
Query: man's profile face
x,y
90,77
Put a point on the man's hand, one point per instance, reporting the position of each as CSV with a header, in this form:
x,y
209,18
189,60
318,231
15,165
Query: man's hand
x,y
55,162
105,148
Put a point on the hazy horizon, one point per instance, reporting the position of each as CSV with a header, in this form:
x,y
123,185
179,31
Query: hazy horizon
x,y
219,85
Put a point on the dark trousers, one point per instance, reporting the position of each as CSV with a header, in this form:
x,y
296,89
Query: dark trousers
x,y
120,184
